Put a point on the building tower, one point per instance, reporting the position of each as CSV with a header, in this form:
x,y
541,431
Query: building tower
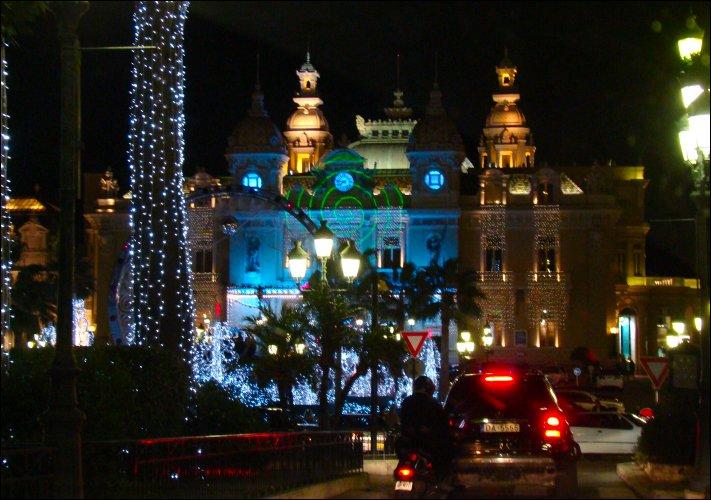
x,y
307,132
507,141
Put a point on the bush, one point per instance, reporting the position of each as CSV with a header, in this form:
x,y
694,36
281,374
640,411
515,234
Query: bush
x,y
213,411
125,392
669,438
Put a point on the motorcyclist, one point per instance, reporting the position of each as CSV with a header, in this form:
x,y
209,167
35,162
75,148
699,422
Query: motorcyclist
x,y
424,425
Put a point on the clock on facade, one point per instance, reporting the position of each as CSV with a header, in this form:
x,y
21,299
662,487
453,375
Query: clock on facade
x,y
434,179
343,182
252,180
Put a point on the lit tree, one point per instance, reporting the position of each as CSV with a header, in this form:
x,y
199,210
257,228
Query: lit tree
x,y
163,304
283,358
458,293
6,264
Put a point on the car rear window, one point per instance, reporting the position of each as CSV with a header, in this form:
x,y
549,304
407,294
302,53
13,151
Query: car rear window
x,y
480,399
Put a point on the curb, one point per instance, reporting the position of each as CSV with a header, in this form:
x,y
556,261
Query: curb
x,y
638,481
328,489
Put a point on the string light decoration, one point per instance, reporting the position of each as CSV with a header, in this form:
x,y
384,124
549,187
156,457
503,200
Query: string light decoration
x,y
5,221
163,305
547,291
213,352
82,335
498,304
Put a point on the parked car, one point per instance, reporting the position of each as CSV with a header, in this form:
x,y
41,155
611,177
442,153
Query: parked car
x,y
556,375
606,432
611,378
510,432
582,400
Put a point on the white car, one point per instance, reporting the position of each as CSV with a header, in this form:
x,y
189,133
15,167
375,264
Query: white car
x,y
606,432
585,401
610,379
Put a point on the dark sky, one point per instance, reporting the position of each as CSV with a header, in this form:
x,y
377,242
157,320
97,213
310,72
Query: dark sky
x,y
597,82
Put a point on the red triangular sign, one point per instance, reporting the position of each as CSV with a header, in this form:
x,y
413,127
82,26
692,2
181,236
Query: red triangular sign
x,y
414,341
656,368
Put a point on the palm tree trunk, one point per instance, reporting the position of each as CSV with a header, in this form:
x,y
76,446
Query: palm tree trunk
x,y
323,397
343,392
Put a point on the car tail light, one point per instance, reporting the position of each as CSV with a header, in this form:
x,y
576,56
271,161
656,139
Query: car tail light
x,y
553,425
405,473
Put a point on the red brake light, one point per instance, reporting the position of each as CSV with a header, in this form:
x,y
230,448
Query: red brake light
x,y
405,473
498,378
553,424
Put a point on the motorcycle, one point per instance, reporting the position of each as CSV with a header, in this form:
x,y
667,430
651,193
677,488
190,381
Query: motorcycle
x,y
416,478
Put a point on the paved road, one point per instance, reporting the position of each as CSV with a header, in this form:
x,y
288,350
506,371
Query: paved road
x,y
597,478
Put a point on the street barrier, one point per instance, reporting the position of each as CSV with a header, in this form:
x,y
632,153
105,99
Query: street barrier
x,y
238,466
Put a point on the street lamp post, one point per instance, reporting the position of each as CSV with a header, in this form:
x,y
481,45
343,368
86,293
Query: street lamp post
x,y
323,241
63,419
695,147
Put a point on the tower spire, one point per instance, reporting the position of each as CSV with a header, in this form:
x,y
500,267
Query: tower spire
x,y
256,86
398,111
397,63
257,108
436,72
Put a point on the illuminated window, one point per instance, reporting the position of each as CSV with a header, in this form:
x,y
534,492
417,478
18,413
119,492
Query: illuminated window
x,y
546,255
494,255
621,262
202,261
434,179
390,252
506,161
494,259
484,160
252,180
638,263
545,193
528,160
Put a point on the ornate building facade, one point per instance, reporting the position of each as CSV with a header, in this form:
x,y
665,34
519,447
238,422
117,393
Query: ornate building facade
x,y
559,252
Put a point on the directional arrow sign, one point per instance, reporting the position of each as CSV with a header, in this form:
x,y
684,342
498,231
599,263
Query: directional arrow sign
x,y
414,341
656,368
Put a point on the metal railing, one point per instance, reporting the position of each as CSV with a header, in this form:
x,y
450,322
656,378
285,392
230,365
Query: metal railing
x,y
27,472
240,465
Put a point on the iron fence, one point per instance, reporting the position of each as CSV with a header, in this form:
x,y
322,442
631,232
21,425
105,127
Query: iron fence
x,y
241,465
27,472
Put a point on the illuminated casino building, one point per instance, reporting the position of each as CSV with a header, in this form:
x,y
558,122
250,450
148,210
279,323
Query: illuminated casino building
x,y
560,251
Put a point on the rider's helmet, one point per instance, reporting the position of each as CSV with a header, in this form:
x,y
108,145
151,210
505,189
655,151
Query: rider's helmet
x,y
423,384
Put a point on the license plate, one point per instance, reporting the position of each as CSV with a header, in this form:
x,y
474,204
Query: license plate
x,y
403,486
504,427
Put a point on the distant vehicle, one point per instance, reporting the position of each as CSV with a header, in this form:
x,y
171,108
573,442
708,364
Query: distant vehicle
x,y
611,378
606,432
582,400
510,432
555,375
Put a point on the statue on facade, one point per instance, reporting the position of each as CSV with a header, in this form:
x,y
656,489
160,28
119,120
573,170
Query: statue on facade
x,y
252,254
109,185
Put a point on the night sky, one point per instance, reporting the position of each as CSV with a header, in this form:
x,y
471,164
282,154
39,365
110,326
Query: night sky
x,y
597,82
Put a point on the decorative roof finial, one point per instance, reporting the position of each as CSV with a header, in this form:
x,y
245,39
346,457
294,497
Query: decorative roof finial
x,y
308,52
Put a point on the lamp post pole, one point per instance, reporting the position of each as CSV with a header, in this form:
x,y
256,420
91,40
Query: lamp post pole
x,y
63,419
694,142
374,367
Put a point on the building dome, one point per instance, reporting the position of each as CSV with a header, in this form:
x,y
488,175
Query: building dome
x,y
435,131
307,119
256,132
505,114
